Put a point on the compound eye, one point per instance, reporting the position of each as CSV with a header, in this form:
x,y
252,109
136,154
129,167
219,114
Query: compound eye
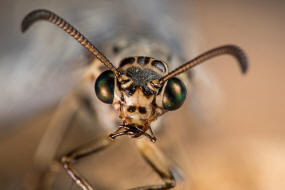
x,y
104,87
174,94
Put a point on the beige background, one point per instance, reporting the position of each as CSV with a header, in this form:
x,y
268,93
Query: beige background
x,y
242,147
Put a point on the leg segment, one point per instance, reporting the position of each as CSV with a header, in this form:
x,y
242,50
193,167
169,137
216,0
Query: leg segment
x,y
83,151
70,106
44,162
158,162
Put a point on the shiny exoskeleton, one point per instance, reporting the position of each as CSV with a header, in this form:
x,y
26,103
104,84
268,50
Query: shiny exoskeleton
x,y
137,101
140,90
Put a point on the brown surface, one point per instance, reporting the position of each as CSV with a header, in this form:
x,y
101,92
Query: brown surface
x,y
242,148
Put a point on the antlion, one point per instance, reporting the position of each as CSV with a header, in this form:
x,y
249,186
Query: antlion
x,y
141,90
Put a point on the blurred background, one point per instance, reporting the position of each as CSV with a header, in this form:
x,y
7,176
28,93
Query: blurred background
x,y
228,135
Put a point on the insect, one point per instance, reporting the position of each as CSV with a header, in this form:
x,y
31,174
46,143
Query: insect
x,y
140,90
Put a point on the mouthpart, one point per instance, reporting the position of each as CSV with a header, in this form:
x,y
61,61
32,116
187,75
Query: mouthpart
x,y
133,131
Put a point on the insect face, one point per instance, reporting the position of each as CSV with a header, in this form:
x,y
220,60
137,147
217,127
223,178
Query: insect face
x,y
133,95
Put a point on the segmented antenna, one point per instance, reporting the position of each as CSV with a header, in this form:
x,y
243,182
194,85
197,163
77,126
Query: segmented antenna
x,y
227,49
47,15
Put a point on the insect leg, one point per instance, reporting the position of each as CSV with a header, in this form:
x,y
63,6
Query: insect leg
x,y
92,147
155,158
70,106
44,161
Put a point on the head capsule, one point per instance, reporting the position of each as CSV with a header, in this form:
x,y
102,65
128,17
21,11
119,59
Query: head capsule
x,y
137,99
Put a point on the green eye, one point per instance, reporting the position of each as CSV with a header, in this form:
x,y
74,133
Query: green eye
x,y
104,87
174,94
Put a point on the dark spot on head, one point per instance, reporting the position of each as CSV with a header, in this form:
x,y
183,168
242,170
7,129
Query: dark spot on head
x,y
142,110
143,60
126,61
159,65
131,90
131,109
146,60
140,60
147,92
